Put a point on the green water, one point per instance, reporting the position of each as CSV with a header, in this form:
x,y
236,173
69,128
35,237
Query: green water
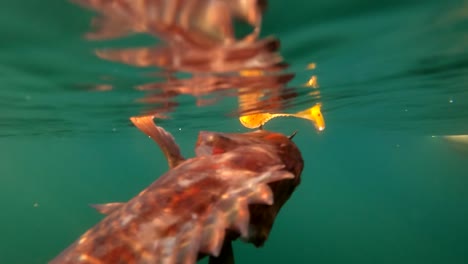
x,y
377,186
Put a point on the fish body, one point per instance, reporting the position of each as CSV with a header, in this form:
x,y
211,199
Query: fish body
x,y
233,187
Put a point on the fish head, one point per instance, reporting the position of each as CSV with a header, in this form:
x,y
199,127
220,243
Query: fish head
x,y
279,147
282,146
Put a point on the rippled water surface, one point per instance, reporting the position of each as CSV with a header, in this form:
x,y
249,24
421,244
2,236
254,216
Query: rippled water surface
x,y
385,182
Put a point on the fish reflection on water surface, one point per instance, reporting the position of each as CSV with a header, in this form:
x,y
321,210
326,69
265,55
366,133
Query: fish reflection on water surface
x,y
194,41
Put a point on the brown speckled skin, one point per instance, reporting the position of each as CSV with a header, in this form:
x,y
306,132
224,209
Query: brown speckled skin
x,y
237,183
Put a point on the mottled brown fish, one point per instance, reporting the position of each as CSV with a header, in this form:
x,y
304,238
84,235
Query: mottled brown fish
x,y
234,187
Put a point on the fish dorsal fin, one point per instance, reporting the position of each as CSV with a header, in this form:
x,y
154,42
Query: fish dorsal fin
x,y
106,208
163,138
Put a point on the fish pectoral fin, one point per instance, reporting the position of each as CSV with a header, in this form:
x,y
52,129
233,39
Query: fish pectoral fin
x,y
226,256
163,138
106,208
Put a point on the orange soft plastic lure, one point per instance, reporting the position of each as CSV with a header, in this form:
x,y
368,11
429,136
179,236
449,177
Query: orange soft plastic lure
x,y
313,114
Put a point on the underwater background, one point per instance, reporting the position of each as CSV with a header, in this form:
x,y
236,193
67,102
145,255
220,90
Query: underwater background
x,y
385,182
